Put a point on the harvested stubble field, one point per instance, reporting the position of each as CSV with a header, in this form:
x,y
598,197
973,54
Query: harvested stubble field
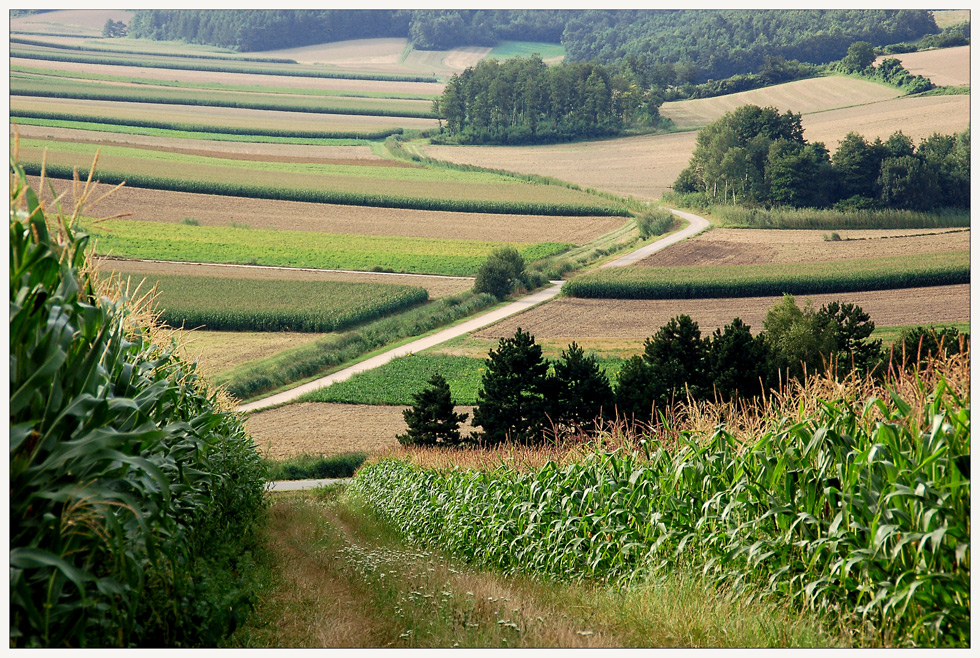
x,y
256,80
945,66
322,428
87,22
231,117
916,116
802,96
642,167
719,247
437,286
218,351
567,319
212,210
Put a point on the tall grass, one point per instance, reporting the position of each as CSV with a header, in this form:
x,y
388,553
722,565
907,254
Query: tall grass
x,y
835,220
134,490
691,282
858,508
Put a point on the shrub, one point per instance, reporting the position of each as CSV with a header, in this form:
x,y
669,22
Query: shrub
x,y
432,420
500,273
654,222
315,467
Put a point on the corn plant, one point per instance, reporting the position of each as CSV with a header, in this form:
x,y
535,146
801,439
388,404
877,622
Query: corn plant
x,y
133,494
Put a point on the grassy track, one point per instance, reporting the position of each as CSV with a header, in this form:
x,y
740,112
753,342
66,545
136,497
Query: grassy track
x,y
41,87
220,244
248,304
760,280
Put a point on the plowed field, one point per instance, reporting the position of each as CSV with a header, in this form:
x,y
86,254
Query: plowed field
x,y
570,319
759,246
329,429
213,210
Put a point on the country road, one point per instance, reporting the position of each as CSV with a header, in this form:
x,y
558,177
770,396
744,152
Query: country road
x,y
696,225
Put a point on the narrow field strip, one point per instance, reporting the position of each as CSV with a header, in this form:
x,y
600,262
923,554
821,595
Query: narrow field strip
x,y
252,304
695,282
152,240
49,88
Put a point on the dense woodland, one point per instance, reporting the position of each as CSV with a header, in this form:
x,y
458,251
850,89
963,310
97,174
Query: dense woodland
x,y
757,156
688,45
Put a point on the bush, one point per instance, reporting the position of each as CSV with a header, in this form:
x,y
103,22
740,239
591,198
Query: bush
x,y
502,272
654,222
315,467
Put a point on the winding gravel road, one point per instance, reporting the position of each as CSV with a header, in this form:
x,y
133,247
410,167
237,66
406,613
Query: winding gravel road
x,y
696,225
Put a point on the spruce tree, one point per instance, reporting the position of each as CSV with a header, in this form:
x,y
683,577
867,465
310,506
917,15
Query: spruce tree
x,y
737,361
582,390
432,420
512,402
676,356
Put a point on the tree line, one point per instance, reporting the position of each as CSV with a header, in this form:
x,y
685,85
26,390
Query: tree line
x,y
524,398
757,156
522,100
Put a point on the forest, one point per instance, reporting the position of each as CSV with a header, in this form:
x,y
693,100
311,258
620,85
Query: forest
x,y
699,45
757,156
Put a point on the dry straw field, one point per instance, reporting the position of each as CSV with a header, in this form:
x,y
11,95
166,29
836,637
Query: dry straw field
x,y
946,66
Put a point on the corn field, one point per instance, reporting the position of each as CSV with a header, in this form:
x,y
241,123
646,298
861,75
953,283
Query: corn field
x,y
860,510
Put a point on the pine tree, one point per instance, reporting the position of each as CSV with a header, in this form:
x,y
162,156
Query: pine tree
x,y
582,390
512,402
432,419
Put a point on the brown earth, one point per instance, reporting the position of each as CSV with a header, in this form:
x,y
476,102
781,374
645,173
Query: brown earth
x,y
946,66
568,318
437,286
213,210
257,80
762,246
321,428
802,97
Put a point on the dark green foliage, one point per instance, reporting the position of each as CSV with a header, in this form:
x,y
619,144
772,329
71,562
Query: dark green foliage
x,y
801,341
113,29
852,337
502,272
634,394
654,222
315,467
860,55
736,362
676,356
133,494
513,400
341,197
918,344
581,393
432,420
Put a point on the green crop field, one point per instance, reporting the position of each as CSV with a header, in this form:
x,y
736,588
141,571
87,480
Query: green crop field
x,y
508,49
249,304
403,187
759,280
46,87
221,244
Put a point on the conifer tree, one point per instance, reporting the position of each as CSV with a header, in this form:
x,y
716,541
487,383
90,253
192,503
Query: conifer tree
x,y
432,419
582,390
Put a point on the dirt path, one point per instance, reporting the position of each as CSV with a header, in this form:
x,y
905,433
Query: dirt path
x,y
695,225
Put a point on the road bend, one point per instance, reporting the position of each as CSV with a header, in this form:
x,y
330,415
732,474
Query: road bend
x,y
696,224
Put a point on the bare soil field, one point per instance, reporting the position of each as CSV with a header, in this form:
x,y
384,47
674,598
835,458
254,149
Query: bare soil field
x,y
257,80
231,150
327,429
946,66
801,97
222,116
437,286
212,210
218,351
642,167
84,21
918,117
763,246
567,319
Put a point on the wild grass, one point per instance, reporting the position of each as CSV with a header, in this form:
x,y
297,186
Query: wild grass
x,y
222,244
247,304
509,49
314,467
854,504
810,218
692,282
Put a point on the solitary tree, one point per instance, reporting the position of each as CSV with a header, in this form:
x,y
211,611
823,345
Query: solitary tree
x,y
500,274
512,402
432,419
860,56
